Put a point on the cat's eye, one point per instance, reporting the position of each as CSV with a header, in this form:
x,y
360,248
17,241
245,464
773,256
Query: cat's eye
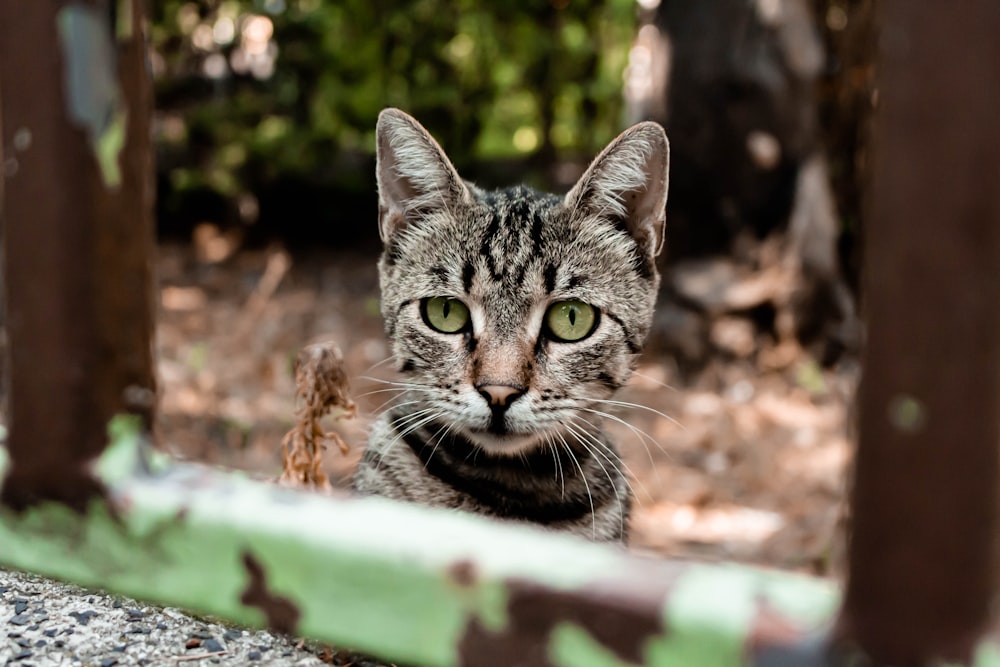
x,y
569,321
445,314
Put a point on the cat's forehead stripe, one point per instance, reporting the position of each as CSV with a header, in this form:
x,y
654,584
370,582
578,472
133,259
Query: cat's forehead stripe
x,y
468,272
513,238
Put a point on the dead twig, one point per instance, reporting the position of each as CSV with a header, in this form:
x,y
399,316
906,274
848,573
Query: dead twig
x,y
321,386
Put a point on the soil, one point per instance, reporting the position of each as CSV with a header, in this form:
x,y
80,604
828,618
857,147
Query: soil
x,y
744,460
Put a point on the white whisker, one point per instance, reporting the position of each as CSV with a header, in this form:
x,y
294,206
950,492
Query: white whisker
x,y
586,484
639,406
650,378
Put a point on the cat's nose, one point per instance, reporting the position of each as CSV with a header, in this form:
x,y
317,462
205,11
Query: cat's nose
x,y
499,395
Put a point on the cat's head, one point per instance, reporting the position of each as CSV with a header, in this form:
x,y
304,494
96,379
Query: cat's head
x,y
512,314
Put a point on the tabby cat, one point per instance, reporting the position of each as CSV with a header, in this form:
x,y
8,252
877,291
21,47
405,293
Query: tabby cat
x,y
513,316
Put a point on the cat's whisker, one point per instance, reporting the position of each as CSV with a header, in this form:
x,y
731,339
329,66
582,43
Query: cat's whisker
x,y
586,484
642,437
423,417
625,471
586,440
557,460
609,455
638,432
378,363
639,406
385,407
650,378
394,383
404,421
413,421
383,391
443,431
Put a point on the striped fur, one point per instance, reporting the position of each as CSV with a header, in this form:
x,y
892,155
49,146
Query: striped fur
x,y
508,255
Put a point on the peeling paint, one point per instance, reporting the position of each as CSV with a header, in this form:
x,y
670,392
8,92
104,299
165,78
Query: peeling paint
x,y
93,98
463,573
616,615
712,610
571,646
280,612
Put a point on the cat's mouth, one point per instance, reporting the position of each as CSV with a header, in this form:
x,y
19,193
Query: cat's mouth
x,y
505,443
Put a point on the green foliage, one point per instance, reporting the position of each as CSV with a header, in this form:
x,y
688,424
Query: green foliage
x,y
250,92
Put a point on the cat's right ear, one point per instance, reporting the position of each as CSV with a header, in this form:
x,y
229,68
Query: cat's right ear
x,y
414,174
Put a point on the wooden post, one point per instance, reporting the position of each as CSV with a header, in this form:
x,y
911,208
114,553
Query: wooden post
x,y
76,215
925,494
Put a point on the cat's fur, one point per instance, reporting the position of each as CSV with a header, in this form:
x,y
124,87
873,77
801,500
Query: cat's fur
x,y
507,255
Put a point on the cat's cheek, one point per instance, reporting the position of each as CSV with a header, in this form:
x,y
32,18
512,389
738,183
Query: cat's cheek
x,y
432,353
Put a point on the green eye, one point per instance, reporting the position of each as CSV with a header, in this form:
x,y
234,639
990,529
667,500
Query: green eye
x,y
568,321
445,314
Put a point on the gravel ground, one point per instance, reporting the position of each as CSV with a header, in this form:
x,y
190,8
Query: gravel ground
x,y
48,624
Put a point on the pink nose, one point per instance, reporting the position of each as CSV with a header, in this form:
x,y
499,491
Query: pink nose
x,y
499,395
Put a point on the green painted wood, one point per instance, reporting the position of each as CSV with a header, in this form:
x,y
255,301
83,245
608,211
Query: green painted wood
x,y
406,583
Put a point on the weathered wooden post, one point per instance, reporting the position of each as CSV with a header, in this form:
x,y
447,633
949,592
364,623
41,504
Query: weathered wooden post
x,y
76,212
925,495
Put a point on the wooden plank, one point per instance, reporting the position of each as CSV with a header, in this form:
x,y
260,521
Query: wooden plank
x,y
925,493
76,216
408,583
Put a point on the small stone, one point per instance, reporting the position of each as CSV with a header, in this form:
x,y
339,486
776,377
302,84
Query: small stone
x,y
139,630
59,643
135,614
22,655
40,643
194,642
202,634
20,606
161,626
232,634
83,617
51,632
117,604
213,646
33,627
109,662
120,648
23,643
13,635
253,655
4,589
90,600
68,631
20,619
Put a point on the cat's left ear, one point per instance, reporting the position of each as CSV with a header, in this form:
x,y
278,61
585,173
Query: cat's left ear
x,y
627,183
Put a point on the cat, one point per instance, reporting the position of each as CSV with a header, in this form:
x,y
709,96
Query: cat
x,y
512,316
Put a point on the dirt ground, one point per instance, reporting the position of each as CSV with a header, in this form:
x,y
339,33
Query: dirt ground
x,y
736,463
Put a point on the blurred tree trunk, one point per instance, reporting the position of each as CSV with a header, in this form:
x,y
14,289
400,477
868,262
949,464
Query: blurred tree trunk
x,y
735,84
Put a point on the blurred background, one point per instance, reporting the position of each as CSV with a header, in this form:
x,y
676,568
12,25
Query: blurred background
x,y
264,131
